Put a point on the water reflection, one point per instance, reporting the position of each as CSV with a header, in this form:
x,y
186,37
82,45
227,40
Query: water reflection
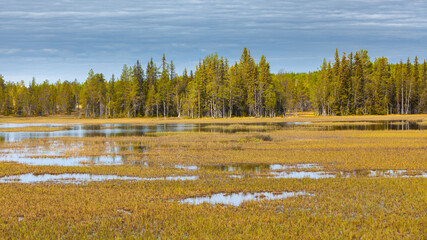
x,y
257,168
297,166
374,126
75,178
78,178
63,161
303,174
23,125
235,199
58,153
185,167
172,178
118,130
383,173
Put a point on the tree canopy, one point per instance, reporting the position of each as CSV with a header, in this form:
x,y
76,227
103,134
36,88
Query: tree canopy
x,y
352,84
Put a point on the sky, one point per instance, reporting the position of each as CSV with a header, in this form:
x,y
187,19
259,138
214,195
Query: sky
x,y
64,39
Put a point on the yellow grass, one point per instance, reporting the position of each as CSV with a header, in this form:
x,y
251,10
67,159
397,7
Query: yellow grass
x,y
33,129
359,207
299,118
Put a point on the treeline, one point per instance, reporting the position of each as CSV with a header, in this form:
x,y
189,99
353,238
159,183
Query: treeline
x,y
355,85
352,84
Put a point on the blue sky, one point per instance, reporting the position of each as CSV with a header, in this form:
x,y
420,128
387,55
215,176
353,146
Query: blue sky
x,y
64,39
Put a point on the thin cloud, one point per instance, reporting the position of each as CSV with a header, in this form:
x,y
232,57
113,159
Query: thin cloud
x,y
294,35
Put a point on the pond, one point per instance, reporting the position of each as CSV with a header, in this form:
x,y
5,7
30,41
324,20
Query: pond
x,y
113,155
248,167
79,178
117,130
75,178
372,125
235,199
58,153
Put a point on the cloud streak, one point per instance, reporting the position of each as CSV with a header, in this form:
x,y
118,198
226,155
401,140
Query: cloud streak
x,y
295,35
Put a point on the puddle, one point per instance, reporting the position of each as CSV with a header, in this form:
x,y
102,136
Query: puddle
x,y
258,168
303,174
79,178
237,167
383,173
190,167
56,153
67,162
298,166
235,199
372,125
170,178
75,178
23,125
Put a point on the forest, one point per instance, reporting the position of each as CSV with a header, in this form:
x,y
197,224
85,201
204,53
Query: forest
x,y
350,85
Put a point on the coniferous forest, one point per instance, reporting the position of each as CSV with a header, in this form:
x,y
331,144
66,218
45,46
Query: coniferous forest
x,y
351,84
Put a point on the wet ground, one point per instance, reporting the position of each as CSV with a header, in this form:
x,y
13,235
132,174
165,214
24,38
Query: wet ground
x,y
57,153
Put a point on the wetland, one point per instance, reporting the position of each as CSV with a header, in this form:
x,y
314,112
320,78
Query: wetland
x,y
248,178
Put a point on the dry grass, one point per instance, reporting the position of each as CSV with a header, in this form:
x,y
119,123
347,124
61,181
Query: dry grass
x,y
34,129
341,123
344,208
301,118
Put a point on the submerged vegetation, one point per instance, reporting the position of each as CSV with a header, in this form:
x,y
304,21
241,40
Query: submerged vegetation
x,y
351,85
296,182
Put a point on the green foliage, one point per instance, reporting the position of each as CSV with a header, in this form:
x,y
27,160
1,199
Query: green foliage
x,y
352,84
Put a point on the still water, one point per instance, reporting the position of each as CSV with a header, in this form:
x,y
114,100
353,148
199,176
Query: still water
x,y
117,130
79,178
235,199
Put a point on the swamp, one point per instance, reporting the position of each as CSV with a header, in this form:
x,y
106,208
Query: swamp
x,y
306,177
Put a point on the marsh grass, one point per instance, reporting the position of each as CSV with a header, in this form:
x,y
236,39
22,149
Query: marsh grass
x,y
35,129
233,128
356,207
341,123
298,118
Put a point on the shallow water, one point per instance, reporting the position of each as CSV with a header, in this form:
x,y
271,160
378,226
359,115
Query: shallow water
x,y
235,199
22,125
383,173
375,126
117,130
297,166
62,161
186,167
75,178
172,178
302,174
53,155
257,168
78,178
56,153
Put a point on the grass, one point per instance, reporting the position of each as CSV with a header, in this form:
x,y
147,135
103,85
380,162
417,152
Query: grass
x,y
355,207
234,120
34,129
